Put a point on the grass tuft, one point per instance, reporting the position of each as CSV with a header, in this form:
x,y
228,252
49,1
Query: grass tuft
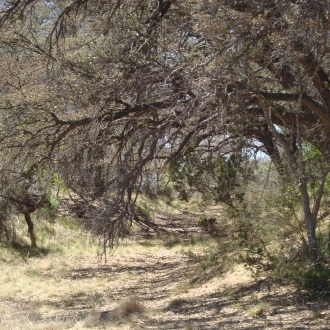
x,y
130,306
258,309
172,241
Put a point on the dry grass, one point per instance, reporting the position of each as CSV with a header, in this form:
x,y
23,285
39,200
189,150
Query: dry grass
x,y
258,308
28,324
130,306
172,241
43,288
63,285
117,317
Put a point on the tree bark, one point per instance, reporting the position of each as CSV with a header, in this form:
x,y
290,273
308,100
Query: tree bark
x,y
30,224
99,182
310,225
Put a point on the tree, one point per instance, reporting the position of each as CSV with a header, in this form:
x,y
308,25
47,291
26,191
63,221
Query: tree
x,y
222,178
123,83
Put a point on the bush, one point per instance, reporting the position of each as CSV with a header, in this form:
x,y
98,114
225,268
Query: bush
x,y
207,223
315,282
130,306
154,190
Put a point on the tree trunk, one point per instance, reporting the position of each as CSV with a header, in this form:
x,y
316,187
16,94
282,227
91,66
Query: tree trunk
x,y
99,181
29,222
312,243
310,225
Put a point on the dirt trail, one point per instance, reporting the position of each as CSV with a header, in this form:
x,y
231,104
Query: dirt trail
x,y
165,276
161,280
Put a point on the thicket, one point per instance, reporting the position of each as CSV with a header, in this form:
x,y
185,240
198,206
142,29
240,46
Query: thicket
x,y
267,234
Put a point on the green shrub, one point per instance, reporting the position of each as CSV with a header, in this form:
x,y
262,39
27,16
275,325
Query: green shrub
x,y
315,282
207,223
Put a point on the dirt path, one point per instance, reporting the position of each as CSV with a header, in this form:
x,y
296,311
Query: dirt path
x,y
162,281
168,276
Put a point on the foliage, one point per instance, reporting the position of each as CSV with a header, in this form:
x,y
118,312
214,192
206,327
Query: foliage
x,y
221,178
315,281
270,240
207,223
154,188
96,91
6,231
285,264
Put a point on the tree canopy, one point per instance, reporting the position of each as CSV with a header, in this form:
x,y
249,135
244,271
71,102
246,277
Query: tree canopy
x,y
103,92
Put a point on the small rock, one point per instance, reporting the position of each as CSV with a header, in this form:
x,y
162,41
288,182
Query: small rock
x,y
169,313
